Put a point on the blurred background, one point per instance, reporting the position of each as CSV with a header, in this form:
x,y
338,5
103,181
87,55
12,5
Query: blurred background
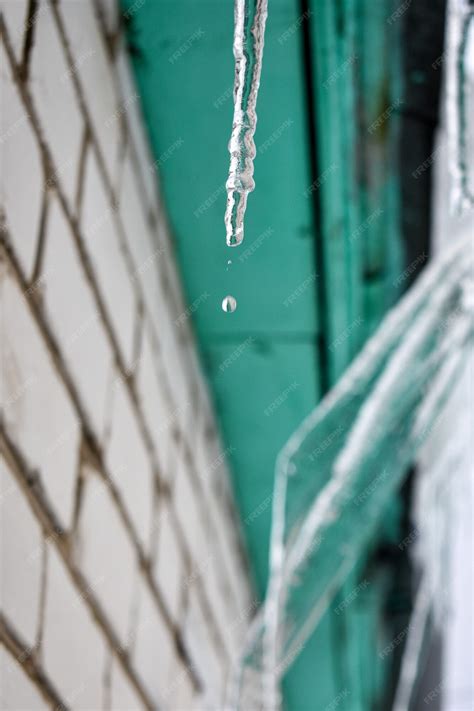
x,y
141,423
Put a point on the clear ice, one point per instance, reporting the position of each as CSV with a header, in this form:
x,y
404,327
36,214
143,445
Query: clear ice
x,y
250,17
459,87
340,468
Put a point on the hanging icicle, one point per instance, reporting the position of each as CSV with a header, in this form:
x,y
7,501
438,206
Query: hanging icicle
x,y
460,101
250,18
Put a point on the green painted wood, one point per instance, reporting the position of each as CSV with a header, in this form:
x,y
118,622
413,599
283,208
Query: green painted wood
x,y
361,246
262,362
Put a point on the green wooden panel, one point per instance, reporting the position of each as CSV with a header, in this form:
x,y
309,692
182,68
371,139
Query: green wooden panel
x,y
260,397
184,69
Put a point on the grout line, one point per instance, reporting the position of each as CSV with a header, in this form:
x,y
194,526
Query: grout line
x,y
38,260
78,489
107,682
42,600
110,39
28,39
81,172
25,657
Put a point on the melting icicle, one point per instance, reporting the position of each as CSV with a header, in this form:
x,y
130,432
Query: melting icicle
x,y
229,304
460,97
250,18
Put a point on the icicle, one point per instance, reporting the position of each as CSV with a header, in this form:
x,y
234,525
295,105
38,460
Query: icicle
x,y
250,18
459,93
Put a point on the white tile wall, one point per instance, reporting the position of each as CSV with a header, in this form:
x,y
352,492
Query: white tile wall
x,y
161,568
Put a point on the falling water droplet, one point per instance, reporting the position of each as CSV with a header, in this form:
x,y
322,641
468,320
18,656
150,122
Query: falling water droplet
x,y
229,304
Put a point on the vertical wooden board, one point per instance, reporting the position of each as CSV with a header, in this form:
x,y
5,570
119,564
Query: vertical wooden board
x,y
332,167
262,390
350,149
379,108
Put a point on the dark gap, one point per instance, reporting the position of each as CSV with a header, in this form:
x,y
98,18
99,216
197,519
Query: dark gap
x,y
422,43
81,170
41,238
308,52
42,600
29,37
78,493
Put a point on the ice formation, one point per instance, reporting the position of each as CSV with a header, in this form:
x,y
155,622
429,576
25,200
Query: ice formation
x,y
250,18
342,465
459,61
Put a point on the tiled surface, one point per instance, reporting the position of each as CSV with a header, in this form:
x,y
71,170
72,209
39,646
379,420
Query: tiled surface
x,y
123,585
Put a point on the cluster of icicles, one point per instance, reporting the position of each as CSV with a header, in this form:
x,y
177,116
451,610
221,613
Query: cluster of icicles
x,y
250,18
336,475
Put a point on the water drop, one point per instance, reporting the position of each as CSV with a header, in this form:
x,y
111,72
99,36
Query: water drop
x,y
229,304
